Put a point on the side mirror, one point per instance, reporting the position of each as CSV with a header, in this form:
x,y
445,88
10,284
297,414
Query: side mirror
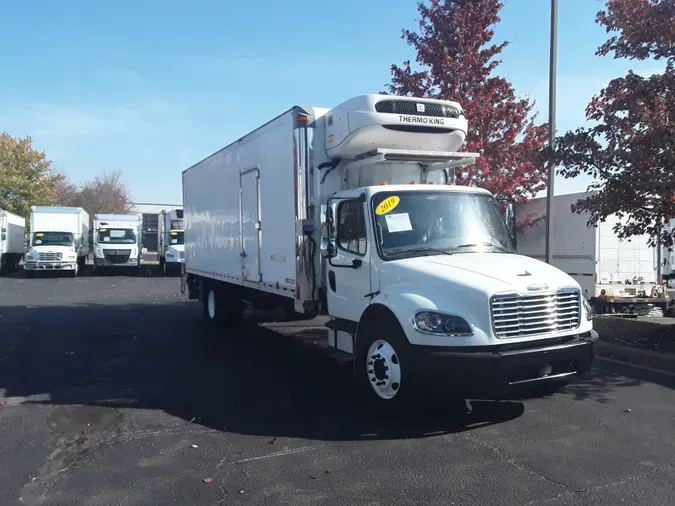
x,y
328,250
3,237
509,207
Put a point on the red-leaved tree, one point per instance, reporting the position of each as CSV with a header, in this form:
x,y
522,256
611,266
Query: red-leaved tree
x,y
456,60
630,151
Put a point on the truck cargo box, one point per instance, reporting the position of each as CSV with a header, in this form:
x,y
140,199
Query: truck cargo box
x,y
594,256
253,174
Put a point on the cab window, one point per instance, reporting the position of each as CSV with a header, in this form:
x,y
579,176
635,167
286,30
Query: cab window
x,y
351,230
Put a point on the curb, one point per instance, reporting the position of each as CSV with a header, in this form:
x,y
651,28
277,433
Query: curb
x,y
661,362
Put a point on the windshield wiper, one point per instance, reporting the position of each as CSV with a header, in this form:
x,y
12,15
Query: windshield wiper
x,y
485,243
424,249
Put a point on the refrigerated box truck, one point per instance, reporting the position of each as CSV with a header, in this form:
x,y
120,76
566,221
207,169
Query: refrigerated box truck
x,y
117,241
170,241
333,212
59,240
626,270
12,236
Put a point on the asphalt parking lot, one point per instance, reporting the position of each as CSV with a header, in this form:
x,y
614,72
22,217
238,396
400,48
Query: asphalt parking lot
x,y
113,391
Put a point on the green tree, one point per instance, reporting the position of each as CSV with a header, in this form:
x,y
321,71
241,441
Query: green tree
x,y
26,176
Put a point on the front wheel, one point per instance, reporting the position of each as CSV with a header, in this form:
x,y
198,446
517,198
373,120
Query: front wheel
x,y
383,369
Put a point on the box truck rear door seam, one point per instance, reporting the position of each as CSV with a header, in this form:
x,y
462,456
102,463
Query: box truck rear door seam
x,y
250,225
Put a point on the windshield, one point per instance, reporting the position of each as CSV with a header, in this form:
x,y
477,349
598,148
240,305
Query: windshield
x,y
431,223
116,236
53,239
176,237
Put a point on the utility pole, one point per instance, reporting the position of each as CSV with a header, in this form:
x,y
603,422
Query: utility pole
x,y
552,87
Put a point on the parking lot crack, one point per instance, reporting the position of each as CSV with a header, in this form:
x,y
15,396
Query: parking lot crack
x,y
497,452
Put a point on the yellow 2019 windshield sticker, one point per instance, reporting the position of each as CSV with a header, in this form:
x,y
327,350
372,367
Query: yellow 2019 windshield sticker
x,y
101,229
173,233
387,205
39,234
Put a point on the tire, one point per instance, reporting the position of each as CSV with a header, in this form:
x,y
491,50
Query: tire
x,y
384,370
162,266
219,309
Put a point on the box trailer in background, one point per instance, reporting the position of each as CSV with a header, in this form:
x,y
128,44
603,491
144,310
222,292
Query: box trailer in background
x,y
170,241
59,240
333,212
117,241
626,270
12,236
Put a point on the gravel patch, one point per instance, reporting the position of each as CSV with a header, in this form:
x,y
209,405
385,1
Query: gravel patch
x,y
652,334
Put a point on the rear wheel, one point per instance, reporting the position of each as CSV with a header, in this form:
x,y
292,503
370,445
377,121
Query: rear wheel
x,y
222,310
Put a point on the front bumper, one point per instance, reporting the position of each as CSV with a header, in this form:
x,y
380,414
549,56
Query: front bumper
x,y
503,370
102,262
50,266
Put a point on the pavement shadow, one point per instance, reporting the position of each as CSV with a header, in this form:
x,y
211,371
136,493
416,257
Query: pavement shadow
x,y
162,356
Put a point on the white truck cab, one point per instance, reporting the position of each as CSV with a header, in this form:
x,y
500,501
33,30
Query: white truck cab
x,y
420,277
59,240
117,241
170,241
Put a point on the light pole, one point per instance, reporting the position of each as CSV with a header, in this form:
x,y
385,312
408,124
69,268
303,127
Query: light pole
x,y
552,76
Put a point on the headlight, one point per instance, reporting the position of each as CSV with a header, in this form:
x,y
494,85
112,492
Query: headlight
x,y
31,255
588,308
432,322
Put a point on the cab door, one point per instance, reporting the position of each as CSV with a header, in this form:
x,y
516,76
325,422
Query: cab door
x,y
348,266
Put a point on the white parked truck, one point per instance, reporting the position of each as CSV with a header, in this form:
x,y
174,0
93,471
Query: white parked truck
x,y
117,241
170,241
12,236
333,212
625,270
59,240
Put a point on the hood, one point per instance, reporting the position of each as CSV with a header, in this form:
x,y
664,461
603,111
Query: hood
x,y
490,273
52,249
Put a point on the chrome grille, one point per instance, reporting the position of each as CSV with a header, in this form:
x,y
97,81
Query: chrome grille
x,y
49,257
529,315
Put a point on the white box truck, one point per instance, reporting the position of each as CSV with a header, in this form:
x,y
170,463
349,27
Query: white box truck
x,y
626,270
12,236
170,241
59,240
333,212
117,241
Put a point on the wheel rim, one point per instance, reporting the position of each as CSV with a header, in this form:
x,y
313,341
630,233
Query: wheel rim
x,y
383,369
211,304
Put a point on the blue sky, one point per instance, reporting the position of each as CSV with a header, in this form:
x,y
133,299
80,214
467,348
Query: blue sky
x,y
151,87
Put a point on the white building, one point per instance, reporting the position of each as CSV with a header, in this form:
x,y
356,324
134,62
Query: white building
x,y
150,214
